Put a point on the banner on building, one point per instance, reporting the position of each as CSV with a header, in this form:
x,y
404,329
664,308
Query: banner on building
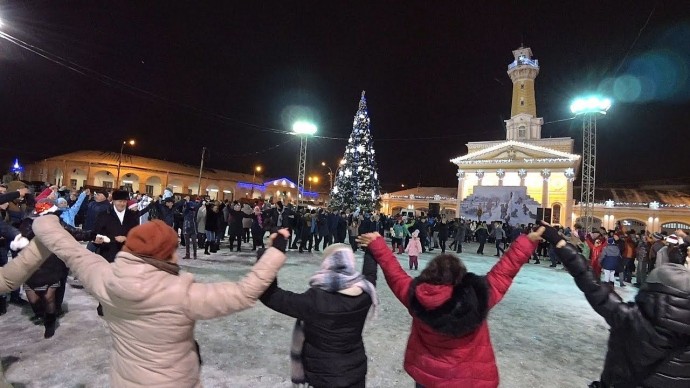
x,y
509,204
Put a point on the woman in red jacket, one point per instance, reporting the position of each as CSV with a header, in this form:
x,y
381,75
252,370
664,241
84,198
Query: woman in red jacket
x,y
449,343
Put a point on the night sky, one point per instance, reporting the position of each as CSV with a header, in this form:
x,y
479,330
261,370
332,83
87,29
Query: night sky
x,y
233,76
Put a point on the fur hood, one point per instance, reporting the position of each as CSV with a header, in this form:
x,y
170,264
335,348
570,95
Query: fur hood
x,y
454,311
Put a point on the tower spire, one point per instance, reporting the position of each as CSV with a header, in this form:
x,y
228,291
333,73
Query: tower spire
x,y
523,123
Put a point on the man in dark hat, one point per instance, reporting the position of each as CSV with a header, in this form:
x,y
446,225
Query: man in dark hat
x,y
115,222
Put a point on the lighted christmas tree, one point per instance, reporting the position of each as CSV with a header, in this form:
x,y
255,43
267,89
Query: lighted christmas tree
x,y
357,182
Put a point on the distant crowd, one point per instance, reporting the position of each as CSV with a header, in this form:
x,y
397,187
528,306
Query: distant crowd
x,y
122,247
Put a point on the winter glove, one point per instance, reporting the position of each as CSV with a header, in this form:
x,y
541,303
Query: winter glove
x,y
20,242
106,239
551,234
280,243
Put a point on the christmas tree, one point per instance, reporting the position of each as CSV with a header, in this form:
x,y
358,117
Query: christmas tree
x,y
357,182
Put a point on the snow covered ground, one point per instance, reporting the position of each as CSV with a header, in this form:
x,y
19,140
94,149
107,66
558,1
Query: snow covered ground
x,y
544,333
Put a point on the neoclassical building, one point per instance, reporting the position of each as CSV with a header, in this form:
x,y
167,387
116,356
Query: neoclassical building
x,y
524,172
545,167
152,176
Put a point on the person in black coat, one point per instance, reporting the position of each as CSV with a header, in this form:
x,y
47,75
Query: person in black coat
x,y
43,287
442,234
327,349
341,229
115,223
649,342
235,217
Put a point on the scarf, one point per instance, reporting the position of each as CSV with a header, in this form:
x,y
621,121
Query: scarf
x,y
168,267
337,274
280,217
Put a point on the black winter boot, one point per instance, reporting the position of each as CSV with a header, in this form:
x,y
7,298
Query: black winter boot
x,y
3,305
50,324
206,252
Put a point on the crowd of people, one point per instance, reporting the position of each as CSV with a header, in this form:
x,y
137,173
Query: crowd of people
x,y
123,249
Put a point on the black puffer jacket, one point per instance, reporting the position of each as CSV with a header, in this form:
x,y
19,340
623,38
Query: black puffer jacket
x,y
649,345
333,355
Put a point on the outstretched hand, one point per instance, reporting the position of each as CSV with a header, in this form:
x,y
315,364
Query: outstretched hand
x,y
279,239
365,239
551,235
536,235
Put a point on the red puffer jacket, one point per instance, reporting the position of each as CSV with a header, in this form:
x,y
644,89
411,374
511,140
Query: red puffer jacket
x,y
449,343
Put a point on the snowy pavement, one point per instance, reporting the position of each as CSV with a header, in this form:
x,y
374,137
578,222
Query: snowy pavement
x,y
544,333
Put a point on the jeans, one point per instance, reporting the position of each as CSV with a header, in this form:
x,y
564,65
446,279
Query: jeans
x,y
190,240
210,236
499,250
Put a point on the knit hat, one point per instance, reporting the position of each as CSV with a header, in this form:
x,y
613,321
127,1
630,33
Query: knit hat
x,y
657,236
153,239
60,202
672,239
415,233
120,195
611,241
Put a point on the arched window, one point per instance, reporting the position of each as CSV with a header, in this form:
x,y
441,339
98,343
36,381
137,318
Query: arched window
x,y
522,132
556,214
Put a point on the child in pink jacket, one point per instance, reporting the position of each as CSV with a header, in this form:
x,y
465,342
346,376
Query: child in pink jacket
x,y
414,248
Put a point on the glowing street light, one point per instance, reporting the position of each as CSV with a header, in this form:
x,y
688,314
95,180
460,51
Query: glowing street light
x,y
314,180
590,105
330,174
131,142
303,129
256,169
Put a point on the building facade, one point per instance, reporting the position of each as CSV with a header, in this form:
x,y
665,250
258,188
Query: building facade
x,y
152,176
543,169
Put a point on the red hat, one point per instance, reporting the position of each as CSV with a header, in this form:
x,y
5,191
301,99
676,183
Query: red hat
x,y
154,239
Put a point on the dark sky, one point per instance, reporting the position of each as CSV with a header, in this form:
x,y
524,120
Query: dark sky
x,y
178,76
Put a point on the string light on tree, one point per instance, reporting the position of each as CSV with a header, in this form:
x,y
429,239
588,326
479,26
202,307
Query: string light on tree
x,y
357,184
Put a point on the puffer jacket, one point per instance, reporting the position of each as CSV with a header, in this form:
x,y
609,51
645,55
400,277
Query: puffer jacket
x,y
449,343
150,312
333,354
609,257
649,344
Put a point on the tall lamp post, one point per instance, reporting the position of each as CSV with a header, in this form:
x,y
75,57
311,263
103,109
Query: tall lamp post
x,y
302,129
589,109
119,160
256,169
330,174
314,180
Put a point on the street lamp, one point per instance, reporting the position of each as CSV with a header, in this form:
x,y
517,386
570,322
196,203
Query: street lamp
x,y
119,160
589,109
302,129
330,174
314,180
256,169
